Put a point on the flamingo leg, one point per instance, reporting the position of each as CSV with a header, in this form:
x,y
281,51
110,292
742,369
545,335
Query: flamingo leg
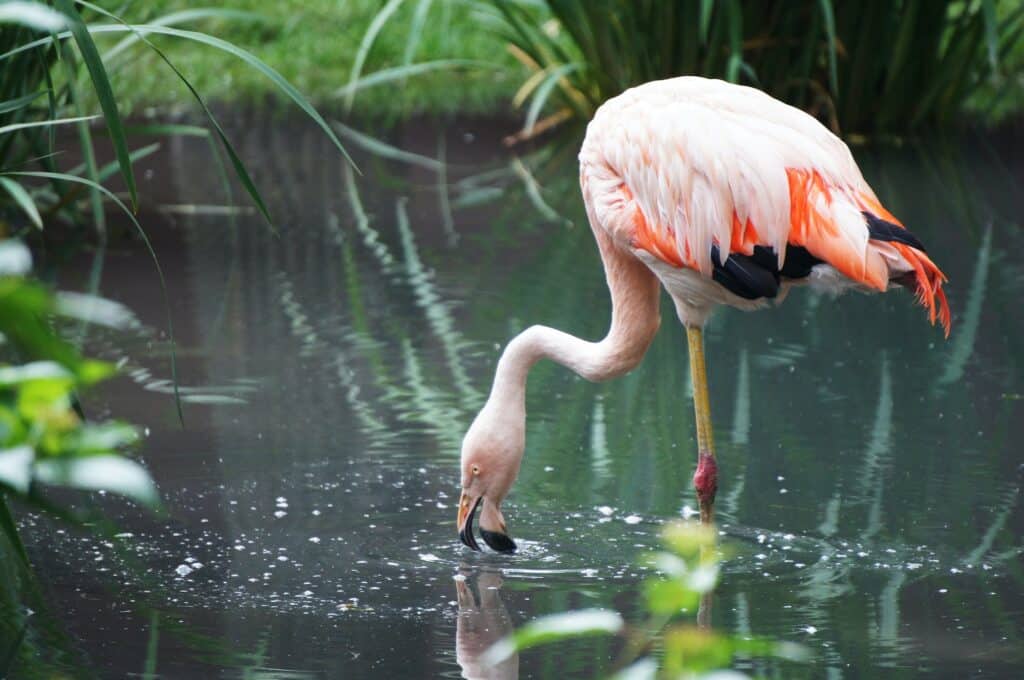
x,y
705,478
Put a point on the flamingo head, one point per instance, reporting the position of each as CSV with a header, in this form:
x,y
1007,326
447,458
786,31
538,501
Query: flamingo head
x,y
491,453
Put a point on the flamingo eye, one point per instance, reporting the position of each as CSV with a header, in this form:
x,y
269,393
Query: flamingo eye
x,y
476,469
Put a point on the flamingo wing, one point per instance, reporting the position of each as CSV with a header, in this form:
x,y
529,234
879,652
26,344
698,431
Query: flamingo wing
x,y
727,181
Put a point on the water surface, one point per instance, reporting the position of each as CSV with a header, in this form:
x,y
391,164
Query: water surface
x,y
869,497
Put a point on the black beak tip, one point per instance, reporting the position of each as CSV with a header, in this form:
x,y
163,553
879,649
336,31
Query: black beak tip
x,y
498,541
467,538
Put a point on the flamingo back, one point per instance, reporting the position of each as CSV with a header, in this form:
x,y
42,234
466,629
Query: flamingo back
x,y
726,181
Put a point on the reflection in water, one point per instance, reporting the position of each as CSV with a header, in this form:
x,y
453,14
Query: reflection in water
x,y
483,620
873,510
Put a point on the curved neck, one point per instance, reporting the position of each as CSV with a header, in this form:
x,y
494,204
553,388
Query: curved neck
x,y
635,318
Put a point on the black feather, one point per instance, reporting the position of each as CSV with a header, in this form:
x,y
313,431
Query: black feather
x,y
742,275
882,230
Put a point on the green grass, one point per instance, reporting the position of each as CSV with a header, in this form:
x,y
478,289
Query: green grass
x,y
313,44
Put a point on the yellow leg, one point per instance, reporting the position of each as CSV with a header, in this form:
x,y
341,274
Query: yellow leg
x,y
705,479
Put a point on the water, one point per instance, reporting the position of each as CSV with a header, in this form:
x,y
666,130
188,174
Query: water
x,y
869,499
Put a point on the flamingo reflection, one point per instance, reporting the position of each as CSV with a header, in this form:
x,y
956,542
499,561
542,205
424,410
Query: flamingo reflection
x,y
483,620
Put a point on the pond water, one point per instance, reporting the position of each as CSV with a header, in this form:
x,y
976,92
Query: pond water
x,y
869,501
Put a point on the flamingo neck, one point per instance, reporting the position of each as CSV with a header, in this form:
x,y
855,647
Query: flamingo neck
x,y
635,320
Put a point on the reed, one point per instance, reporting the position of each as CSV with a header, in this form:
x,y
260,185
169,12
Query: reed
x,y
867,67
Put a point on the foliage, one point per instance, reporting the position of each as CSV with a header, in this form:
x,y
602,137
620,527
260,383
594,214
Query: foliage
x,y
43,437
316,43
870,67
688,571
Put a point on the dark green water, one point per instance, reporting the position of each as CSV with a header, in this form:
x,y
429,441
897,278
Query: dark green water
x,y
869,500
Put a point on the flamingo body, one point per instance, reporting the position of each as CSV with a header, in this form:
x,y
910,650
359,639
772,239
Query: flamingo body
x,y
687,173
723,196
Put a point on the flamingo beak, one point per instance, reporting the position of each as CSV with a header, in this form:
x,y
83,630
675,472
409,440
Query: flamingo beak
x,y
467,509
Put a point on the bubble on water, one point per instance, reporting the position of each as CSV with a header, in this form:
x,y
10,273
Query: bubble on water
x,y
810,630
183,570
429,557
282,558
314,539
280,513
316,513
605,510
689,512
459,577
632,519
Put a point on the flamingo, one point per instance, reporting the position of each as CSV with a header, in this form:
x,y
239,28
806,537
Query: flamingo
x,y
723,196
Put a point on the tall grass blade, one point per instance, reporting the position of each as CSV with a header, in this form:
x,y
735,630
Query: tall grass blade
x,y
988,10
176,18
10,530
104,93
43,123
379,148
236,162
24,201
544,92
64,177
20,102
364,47
829,17
400,73
419,20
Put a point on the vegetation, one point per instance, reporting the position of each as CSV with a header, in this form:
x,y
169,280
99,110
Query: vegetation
x,y
863,67
53,73
688,571
315,44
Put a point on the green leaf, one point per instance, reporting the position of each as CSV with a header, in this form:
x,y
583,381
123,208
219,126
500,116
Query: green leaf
x,y
32,14
24,201
669,596
687,538
113,473
16,467
12,376
102,438
152,253
553,628
104,93
644,669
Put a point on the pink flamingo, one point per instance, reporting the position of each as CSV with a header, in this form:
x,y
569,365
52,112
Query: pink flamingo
x,y
724,196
